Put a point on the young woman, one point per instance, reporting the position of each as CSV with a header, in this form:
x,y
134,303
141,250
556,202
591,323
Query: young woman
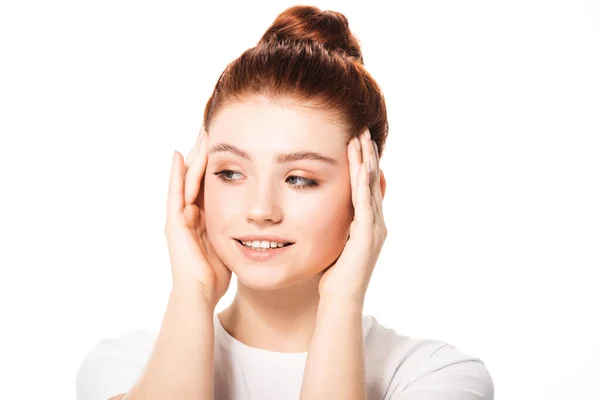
x,y
283,188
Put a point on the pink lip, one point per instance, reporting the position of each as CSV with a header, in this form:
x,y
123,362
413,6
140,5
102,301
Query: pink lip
x,y
261,255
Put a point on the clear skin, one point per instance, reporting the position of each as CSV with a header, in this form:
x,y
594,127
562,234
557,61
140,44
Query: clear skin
x,y
276,303
294,306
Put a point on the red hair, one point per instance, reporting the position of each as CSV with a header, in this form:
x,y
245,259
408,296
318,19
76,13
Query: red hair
x,y
311,57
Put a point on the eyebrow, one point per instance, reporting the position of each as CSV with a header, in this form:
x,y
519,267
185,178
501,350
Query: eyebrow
x,y
279,158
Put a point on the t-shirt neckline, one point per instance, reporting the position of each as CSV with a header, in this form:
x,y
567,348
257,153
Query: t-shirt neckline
x,y
232,344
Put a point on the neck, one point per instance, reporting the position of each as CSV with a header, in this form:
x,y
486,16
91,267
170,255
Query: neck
x,y
281,320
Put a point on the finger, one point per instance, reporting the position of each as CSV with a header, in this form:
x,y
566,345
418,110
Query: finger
x,y
376,154
376,191
175,193
354,159
368,155
195,173
377,215
363,212
189,159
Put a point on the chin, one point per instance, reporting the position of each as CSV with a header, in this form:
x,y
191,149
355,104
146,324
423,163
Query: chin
x,y
266,277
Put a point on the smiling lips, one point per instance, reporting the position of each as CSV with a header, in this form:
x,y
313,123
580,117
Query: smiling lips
x,y
264,249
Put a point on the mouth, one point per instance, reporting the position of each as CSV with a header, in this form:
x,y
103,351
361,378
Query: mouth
x,y
263,245
261,254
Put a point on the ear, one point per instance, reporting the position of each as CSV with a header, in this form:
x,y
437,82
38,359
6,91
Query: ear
x,y
382,183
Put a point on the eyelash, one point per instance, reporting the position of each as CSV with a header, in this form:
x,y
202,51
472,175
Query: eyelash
x,y
309,182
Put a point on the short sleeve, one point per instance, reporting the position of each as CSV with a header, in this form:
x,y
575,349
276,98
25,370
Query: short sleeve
x,y
113,366
450,375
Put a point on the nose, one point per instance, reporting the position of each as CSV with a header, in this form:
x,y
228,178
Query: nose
x,y
263,204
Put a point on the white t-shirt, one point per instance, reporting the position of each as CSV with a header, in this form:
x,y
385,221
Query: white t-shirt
x,y
397,368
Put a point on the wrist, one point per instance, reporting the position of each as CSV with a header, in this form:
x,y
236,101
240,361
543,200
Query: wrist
x,y
340,303
195,292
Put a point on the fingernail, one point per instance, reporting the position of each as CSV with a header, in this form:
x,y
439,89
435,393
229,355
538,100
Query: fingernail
x,y
174,153
376,148
356,143
368,134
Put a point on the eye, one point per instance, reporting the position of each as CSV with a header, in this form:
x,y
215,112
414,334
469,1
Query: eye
x,y
304,183
221,175
228,177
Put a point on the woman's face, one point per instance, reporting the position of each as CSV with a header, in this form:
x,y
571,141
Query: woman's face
x,y
306,201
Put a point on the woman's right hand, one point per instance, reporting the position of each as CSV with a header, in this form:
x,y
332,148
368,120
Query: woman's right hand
x,y
193,260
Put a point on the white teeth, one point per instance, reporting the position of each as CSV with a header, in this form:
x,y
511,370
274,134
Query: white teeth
x,y
265,244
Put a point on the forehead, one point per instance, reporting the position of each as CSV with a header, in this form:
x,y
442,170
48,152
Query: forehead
x,y
287,124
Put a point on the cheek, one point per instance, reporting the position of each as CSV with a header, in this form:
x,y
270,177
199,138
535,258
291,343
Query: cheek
x,y
217,207
326,220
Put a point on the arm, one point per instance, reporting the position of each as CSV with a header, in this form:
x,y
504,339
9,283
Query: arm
x,y
181,364
335,366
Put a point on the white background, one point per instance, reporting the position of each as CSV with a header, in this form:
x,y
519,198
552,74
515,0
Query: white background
x,y
492,164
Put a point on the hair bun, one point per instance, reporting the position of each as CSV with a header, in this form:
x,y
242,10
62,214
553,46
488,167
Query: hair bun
x,y
308,23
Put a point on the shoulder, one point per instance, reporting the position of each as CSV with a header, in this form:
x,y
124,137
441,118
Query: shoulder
x,y
113,365
409,368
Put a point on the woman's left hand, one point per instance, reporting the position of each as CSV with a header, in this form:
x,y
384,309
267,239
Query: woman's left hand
x,y
348,278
